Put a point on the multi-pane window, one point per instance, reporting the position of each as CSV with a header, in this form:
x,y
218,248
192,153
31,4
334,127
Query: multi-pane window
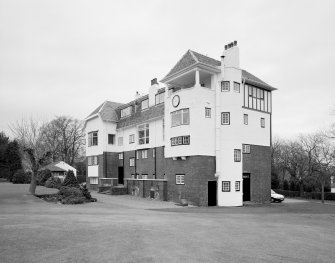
x,y
111,138
180,140
208,112
131,138
180,117
93,180
92,160
137,155
225,85
237,186
144,176
120,141
225,118
143,134
126,111
237,155
144,154
225,186
145,104
131,161
180,178
159,98
120,156
93,138
262,122
257,98
246,148
245,119
237,87
153,152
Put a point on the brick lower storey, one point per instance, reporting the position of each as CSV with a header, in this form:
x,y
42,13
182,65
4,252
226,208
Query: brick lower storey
x,y
197,171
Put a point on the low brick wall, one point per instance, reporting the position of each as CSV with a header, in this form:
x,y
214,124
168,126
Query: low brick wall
x,y
147,188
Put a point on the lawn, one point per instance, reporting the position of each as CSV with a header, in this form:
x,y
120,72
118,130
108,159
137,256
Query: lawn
x,y
129,229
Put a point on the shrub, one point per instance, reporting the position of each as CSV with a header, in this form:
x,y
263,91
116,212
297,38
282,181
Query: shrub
x,y
66,191
285,186
292,186
274,181
81,178
53,182
73,200
20,177
70,180
43,176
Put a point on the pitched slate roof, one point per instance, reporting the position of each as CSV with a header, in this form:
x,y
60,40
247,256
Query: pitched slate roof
x,y
107,111
253,80
53,168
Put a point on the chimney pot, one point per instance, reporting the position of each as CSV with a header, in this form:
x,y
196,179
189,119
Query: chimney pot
x,y
225,47
154,81
235,43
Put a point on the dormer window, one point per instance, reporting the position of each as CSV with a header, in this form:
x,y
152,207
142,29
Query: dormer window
x,y
145,104
126,112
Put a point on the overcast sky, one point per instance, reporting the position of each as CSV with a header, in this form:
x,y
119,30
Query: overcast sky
x,y
67,57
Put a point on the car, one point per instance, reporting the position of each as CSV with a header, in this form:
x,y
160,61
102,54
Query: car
x,y
276,197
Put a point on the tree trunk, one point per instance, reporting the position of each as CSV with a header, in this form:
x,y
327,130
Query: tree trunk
x,y
323,192
32,186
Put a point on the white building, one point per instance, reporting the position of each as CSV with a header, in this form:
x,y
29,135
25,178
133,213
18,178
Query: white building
x,y
205,136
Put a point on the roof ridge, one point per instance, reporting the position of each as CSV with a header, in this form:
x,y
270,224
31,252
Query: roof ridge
x,y
195,58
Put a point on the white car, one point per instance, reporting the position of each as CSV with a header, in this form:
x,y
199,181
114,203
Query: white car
x,y
276,197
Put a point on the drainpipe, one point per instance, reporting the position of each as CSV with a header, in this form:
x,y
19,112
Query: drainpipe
x,y
135,164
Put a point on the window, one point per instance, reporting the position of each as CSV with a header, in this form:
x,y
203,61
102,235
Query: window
x,y
153,152
120,156
180,117
225,85
159,98
132,176
245,119
131,138
237,186
137,155
257,99
246,148
262,122
111,138
237,87
225,186
93,138
144,176
143,134
93,180
208,112
125,112
225,118
120,141
180,179
180,140
144,154
92,160
237,155
131,161
163,126
145,104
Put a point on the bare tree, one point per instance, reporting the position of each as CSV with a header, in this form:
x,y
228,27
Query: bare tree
x,y
34,155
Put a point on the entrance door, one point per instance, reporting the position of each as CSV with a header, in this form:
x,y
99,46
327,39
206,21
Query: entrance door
x,y
212,193
246,187
121,175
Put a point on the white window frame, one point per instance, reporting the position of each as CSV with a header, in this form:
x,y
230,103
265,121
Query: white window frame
x,y
208,113
153,152
144,154
144,176
92,160
120,141
94,180
126,111
246,148
145,104
237,186
237,87
225,186
92,138
180,179
131,138
237,155
225,118
225,86
159,98
131,162
245,119
120,156
113,138
143,138
137,155
180,117
262,122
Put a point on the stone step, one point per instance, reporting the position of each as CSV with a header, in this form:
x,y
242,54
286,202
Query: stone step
x,y
118,190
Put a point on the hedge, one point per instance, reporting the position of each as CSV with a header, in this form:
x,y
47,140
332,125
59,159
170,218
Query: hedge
x,y
307,195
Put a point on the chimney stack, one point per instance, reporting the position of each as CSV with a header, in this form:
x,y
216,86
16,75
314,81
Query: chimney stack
x,y
231,55
154,81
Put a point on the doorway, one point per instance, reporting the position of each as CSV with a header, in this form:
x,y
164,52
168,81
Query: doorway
x,y
120,175
212,193
246,187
